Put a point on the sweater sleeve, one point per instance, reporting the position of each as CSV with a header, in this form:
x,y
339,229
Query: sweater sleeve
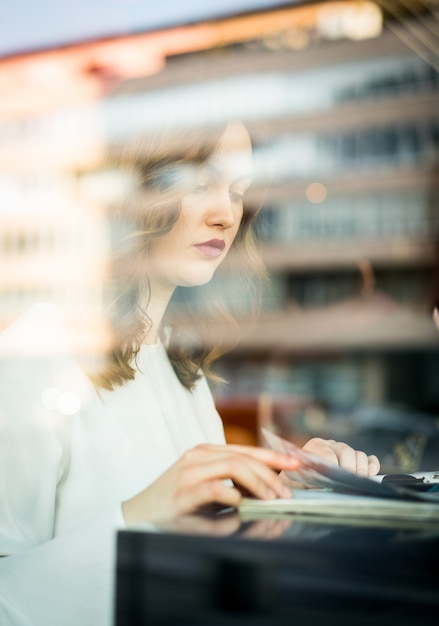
x,y
34,437
31,463
68,580
32,455
46,580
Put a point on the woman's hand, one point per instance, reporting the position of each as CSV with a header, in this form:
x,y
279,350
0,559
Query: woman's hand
x,y
343,455
198,478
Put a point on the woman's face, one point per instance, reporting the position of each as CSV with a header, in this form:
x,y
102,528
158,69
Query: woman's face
x,y
209,219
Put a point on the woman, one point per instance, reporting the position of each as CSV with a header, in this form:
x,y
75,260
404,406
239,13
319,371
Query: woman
x,y
181,243
145,442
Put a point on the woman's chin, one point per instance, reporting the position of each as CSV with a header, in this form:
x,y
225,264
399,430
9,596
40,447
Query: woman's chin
x,y
197,279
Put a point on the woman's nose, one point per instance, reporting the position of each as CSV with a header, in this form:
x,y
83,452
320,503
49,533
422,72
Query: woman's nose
x,y
219,211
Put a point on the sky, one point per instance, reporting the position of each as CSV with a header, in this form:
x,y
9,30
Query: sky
x,y
28,25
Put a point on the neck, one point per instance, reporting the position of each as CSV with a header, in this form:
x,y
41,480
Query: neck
x,y
156,310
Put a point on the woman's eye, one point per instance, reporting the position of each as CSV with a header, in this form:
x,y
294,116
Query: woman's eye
x,y
201,188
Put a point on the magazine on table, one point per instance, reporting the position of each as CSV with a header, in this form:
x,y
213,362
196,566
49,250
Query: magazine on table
x,y
326,493
316,472
331,507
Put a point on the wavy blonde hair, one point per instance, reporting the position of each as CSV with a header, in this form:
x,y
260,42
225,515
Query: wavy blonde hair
x,y
159,166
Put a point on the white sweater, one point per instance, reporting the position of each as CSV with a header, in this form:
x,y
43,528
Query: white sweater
x,y
69,457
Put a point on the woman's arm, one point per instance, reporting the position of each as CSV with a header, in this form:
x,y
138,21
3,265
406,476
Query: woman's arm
x,y
199,478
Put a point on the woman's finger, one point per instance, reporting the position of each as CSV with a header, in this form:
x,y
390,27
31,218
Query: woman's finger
x,y
271,458
374,465
352,460
245,471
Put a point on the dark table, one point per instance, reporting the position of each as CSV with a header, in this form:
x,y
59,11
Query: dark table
x,y
218,569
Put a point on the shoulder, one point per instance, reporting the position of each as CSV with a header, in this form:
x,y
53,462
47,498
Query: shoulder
x,y
40,329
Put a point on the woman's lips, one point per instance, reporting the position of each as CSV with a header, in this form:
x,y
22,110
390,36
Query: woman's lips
x,y
212,248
